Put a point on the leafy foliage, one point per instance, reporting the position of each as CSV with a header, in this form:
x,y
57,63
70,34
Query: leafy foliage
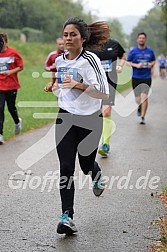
x,y
163,5
155,29
44,15
43,20
117,31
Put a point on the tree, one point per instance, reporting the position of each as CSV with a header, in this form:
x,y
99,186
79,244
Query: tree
x,y
117,31
163,5
47,16
155,29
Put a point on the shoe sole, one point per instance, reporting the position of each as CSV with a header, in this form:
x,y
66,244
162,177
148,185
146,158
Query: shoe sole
x,y
1,143
98,192
63,229
102,153
18,132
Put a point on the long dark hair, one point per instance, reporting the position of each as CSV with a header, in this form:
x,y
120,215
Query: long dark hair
x,y
1,43
4,36
95,34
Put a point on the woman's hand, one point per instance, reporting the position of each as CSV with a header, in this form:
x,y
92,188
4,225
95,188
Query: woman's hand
x,y
7,72
68,83
48,87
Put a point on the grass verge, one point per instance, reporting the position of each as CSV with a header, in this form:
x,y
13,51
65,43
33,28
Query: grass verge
x,y
161,246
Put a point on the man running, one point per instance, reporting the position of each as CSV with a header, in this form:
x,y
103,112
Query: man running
x,y
112,58
50,61
162,66
142,59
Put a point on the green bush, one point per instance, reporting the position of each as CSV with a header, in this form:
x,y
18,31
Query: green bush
x,y
13,34
33,34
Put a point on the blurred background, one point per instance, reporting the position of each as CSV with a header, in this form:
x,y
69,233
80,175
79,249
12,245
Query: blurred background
x,y
34,25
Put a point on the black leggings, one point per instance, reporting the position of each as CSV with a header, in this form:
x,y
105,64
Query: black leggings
x,y
74,134
10,98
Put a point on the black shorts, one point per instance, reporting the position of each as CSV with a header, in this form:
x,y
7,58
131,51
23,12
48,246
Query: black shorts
x,y
141,86
112,81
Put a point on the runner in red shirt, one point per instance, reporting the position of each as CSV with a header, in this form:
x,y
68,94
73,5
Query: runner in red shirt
x,y
10,64
50,61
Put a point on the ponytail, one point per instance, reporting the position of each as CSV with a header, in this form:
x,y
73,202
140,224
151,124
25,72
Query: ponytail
x,y
95,34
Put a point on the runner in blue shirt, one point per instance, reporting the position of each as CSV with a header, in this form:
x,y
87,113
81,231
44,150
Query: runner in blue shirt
x,y
141,58
162,66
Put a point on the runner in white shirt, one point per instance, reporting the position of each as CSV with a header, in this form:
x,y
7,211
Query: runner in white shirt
x,y
81,85
88,70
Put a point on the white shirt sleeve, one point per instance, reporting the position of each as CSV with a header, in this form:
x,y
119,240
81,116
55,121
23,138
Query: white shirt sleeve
x,y
95,75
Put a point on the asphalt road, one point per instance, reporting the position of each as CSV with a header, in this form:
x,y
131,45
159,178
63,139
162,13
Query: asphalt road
x,y
118,221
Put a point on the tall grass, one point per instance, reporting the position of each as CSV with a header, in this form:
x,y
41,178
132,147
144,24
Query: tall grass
x,y
32,89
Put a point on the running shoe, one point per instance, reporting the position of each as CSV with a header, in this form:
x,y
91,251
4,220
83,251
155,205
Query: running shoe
x,y
1,140
98,187
142,120
66,225
18,127
104,150
139,110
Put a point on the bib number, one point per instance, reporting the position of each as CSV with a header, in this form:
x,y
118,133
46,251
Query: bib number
x,y
3,67
107,65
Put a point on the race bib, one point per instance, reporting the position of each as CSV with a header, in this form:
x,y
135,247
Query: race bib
x,y
107,65
64,72
145,63
4,67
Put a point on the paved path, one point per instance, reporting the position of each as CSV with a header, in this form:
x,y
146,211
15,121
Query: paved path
x,y
119,220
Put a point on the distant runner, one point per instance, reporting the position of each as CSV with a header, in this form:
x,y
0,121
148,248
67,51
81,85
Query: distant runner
x,y
141,59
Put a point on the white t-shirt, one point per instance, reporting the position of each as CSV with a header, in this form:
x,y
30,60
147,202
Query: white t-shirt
x,y
90,72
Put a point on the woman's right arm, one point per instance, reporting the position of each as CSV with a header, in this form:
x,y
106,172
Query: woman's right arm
x,y
48,87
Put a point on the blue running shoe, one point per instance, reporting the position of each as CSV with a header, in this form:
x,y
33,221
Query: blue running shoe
x,y
98,187
66,225
104,150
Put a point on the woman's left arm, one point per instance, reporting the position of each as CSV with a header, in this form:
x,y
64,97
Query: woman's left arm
x,y
12,71
90,90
